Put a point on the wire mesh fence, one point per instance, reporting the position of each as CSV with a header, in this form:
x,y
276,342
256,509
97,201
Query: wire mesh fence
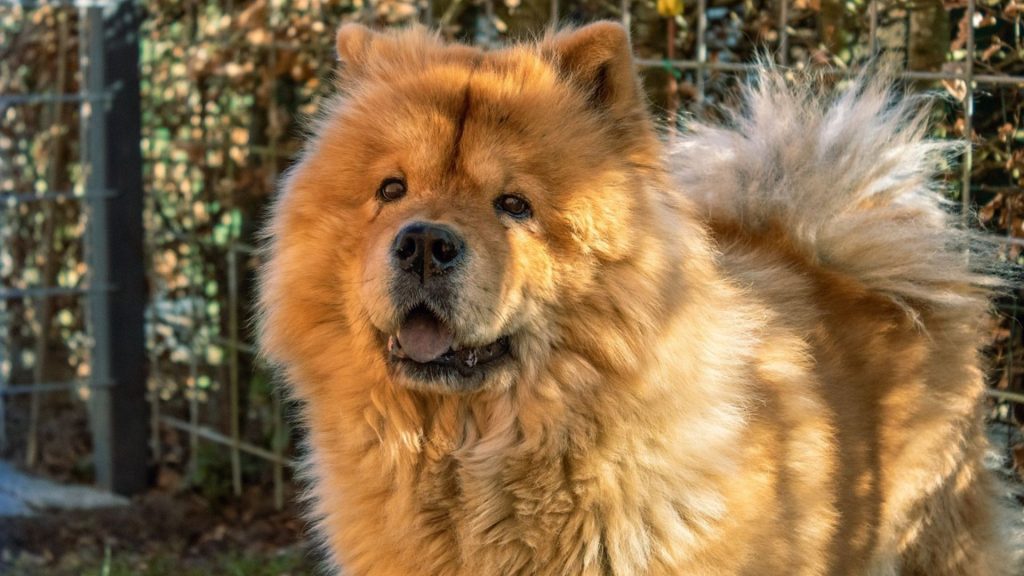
x,y
224,90
60,268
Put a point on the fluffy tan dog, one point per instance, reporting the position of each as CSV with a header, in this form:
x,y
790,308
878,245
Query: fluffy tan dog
x,y
528,339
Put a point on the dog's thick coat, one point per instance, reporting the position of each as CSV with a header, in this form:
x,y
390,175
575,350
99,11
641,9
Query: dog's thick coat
x,y
752,354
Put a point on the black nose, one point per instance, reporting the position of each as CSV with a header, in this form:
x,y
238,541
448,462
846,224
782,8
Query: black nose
x,y
428,250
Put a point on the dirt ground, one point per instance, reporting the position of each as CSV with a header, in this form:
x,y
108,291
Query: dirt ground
x,y
159,534
181,527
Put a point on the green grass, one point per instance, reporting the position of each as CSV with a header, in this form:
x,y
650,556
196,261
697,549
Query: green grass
x,y
289,562
226,565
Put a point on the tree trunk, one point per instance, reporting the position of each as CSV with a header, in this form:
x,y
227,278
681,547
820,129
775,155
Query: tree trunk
x,y
831,26
929,36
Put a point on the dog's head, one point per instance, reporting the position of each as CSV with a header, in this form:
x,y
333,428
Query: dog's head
x,y
456,205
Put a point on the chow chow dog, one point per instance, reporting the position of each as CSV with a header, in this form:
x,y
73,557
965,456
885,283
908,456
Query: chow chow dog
x,y
530,337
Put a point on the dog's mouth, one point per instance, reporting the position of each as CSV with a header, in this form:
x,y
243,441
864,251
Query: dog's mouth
x,y
425,345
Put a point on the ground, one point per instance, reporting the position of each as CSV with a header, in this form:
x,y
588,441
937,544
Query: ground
x,y
159,534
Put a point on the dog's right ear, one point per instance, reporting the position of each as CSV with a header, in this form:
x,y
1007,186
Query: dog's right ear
x,y
365,53
353,43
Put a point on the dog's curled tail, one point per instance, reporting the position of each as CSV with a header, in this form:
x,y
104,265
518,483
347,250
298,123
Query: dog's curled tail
x,y
851,177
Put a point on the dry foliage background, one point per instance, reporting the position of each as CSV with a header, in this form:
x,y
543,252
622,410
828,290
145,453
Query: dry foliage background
x,y
227,88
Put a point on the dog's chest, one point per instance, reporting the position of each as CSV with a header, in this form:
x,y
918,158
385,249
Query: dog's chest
x,y
481,503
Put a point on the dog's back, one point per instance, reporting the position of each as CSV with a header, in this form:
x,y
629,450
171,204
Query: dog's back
x,y
826,214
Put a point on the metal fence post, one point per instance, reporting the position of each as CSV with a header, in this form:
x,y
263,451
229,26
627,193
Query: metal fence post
x,y
967,163
111,128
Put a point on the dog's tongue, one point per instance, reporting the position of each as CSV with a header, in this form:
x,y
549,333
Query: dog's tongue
x,y
423,337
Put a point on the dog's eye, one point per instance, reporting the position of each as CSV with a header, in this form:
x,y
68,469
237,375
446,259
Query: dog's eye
x,y
514,206
391,189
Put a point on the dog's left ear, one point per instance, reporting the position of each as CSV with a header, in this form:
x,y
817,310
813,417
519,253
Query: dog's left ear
x,y
599,61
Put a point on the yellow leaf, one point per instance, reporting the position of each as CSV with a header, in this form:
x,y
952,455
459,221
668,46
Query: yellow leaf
x,y
670,8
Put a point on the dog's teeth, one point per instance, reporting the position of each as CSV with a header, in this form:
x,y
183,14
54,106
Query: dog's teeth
x,y
395,347
471,359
